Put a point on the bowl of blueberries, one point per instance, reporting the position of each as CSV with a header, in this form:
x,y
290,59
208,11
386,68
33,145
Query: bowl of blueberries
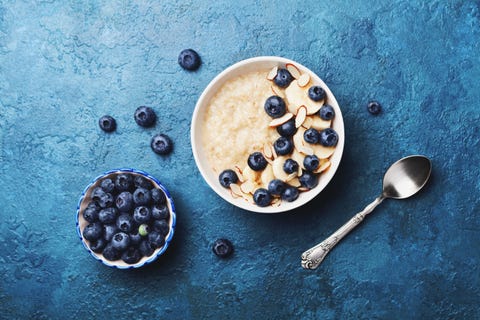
x,y
125,218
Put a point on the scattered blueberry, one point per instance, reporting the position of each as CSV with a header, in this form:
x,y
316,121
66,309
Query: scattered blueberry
x,y
120,241
283,78
135,237
290,166
275,107
159,212
328,137
125,222
276,187
107,123
98,245
106,200
96,194
262,197
124,201
161,144
142,214
142,196
108,215
311,136
189,59
141,182
290,194
145,116
110,253
91,212
143,230
131,255
109,230
156,239
316,93
123,182
283,146
326,112
92,231
287,129
222,248
107,185
227,177
256,161
161,226
308,179
158,197
374,107
146,248
311,162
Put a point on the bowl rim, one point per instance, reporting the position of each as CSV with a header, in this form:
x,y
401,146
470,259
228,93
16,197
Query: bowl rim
x,y
153,257
218,80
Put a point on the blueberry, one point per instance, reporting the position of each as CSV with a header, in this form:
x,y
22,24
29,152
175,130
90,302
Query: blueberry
x,y
308,179
256,161
131,255
108,215
158,197
276,187
156,239
283,146
283,78
120,241
374,107
311,162
328,137
161,144
107,123
142,182
262,197
222,248
124,201
107,185
109,230
123,182
98,245
311,136
189,59
316,93
161,226
146,248
92,231
290,166
287,129
326,112
106,200
96,194
145,116
159,212
275,107
227,177
91,212
142,196
125,222
143,230
135,237
290,194
110,253
141,214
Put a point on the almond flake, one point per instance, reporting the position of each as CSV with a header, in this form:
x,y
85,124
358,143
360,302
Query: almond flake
x,y
278,92
303,80
301,115
305,150
320,124
272,74
295,182
239,174
307,123
322,152
313,107
247,187
291,177
293,70
279,121
234,196
277,168
303,189
276,202
267,151
322,167
236,189
298,139
275,155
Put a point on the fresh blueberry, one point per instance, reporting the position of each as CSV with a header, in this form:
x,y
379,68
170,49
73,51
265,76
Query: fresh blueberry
x,y
91,212
107,185
143,230
142,196
142,214
262,197
326,112
107,123
120,241
275,107
160,212
142,182
290,166
92,231
290,194
96,194
124,201
189,59
311,162
135,237
316,93
146,248
106,200
161,144
374,107
161,226
328,137
256,161
145,116
308,179
108,215
287,129
156,239
123,182
276,187
283,78
311,136
110,253
283,146
158,197
227,177
109,230
125,222
98,245
222,248
131,255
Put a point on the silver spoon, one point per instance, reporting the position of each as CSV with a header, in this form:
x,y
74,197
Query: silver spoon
x,y
403,179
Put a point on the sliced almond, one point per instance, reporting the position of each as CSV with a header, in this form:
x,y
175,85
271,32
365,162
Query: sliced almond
x,y
279,121
293,70
298,157
248,198
298,138
267,175
322,152
272,74
234,195
277,92
277,167
303,80
320,124
295,182
301,115
249,174
323,166
276,202
313,107
295,96
239,174
236,189
267,151
247,187
275,155
291,176
303,189
307,124
307,150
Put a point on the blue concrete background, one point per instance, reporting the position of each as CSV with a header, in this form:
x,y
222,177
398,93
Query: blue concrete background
x,y
63,64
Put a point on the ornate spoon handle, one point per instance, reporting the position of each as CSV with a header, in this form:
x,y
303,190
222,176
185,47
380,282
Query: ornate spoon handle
x,y
312,258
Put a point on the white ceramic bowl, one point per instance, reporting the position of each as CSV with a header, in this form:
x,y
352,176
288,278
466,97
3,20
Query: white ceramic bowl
x,y
245,66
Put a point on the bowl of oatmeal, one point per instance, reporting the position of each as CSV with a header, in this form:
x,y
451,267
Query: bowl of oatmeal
x,y
267,134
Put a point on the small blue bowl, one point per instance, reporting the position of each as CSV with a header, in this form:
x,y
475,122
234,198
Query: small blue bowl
x,y
81,223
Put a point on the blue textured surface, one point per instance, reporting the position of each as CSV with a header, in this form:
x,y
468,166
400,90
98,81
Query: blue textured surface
x,y
63,64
